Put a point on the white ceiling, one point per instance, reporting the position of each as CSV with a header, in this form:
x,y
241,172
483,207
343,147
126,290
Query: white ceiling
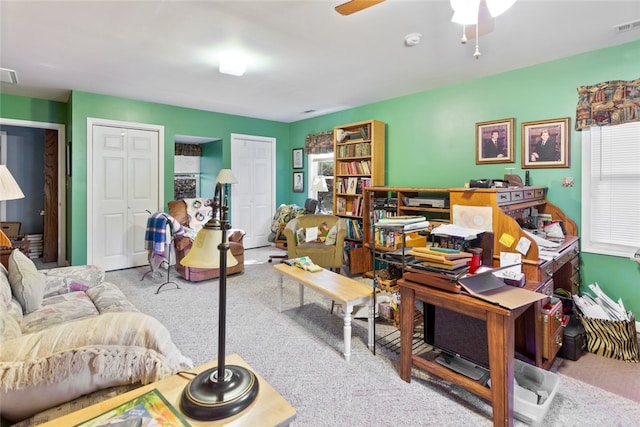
x,y
305,56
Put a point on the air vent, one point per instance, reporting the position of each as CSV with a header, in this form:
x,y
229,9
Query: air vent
x,y
8,76
622,28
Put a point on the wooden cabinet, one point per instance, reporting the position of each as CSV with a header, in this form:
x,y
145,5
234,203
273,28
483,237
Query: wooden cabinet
x,y
359,162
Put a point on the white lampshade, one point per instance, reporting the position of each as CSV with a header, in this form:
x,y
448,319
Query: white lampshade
x,y
226,177
204,252
9,188
319,184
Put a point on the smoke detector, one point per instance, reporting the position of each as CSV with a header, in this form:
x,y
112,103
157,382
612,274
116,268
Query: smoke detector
x,y
412,39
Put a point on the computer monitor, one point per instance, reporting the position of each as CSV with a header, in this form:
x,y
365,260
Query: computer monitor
x,y
456,334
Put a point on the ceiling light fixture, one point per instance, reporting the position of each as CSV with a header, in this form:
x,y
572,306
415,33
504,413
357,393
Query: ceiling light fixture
x,y
8,76
468,12
233,63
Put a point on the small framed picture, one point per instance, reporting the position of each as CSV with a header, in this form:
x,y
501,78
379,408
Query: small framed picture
x,y
298,182
298,158
545,143
495,141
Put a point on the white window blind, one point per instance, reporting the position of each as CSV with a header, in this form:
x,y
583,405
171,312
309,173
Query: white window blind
x,y
611,189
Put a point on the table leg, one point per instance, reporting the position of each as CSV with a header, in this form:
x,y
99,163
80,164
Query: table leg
x,y
370,323
280,288
500,334
407,308
301,293
348,309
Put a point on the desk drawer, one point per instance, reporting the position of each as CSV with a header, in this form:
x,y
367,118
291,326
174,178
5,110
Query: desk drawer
x,y
566,255
551,330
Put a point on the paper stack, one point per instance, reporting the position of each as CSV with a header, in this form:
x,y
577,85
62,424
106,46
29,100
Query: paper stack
x,y
601,306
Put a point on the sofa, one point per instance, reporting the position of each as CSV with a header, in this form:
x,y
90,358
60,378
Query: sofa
x,y
65,332
182,245
327,250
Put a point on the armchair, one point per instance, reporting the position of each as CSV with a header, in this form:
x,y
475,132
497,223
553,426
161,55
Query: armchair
x,y
327,254
178,210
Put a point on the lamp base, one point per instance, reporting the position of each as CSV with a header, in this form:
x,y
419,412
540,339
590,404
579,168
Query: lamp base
x,y
206,398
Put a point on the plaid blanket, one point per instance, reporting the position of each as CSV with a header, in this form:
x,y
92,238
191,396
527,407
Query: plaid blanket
x,y
155,237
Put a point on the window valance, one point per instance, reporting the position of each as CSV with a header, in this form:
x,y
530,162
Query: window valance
x,y
608,103
188,149
320,143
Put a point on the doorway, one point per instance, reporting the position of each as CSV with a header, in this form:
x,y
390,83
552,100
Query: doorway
x,y
253,197
53,188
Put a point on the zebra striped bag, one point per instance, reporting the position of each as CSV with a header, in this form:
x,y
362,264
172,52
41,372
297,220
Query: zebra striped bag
x,y
616,339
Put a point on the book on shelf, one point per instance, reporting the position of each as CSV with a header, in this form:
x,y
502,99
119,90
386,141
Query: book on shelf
x,y
149,409
352,185
341,205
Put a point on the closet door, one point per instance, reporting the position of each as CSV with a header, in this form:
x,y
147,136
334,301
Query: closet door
x,y
253,197
124,186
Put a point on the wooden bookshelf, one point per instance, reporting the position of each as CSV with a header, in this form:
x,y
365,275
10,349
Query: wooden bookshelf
x,y
359,150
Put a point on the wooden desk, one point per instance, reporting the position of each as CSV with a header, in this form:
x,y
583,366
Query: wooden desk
x,y
269,408
500,334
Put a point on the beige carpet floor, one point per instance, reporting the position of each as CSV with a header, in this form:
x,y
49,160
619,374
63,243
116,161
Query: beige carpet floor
x,y
617,376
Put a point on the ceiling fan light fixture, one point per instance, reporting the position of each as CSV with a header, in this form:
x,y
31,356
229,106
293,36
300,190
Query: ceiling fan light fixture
x,y
498,7
465,12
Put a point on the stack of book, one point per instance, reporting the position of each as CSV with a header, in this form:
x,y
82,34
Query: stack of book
x,y
442,259
406,222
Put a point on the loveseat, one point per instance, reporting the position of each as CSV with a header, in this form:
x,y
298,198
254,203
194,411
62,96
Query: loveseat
x,y
65,332
178,210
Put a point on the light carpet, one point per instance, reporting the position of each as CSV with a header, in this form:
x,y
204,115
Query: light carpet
x,y
299,352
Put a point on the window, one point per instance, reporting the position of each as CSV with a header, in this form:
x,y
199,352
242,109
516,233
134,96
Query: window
x,y
611,189
321,165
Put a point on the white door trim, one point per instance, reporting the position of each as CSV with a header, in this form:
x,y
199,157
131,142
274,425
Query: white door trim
x,y
62,195
91,122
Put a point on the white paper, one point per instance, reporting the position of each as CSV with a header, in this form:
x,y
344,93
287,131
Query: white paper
x,y
523,245
311,234
511,258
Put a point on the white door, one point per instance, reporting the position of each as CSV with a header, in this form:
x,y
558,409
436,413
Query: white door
x,y
124,190
253,197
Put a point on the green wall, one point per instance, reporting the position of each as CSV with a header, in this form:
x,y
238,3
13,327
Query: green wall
x,y
431,136
430,139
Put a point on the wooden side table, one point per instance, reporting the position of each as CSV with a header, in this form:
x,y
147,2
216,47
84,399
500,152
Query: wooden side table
x,y
269,408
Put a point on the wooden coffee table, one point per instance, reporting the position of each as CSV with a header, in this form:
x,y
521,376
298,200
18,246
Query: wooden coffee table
x,y
341,289
269,408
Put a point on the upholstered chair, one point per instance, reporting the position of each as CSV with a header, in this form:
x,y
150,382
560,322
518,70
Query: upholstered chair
x,y
178,210
327,250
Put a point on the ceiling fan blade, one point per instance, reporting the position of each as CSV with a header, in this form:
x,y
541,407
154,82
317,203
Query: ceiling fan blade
x,y
354,6
485,23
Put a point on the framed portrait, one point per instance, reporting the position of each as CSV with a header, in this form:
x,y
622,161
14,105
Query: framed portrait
x,y
298,182
298,158
495,141
545,143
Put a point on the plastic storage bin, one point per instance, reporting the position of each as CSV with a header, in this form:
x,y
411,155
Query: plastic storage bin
x,y
533,393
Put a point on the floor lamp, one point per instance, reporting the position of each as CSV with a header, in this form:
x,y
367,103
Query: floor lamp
x,y
225,390
225,177
9,190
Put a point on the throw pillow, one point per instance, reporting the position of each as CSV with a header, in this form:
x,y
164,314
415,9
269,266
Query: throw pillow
x,y
300,237
26,281
332,236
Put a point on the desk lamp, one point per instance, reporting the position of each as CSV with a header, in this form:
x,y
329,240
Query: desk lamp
x,y
319,185
222,391
9,190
